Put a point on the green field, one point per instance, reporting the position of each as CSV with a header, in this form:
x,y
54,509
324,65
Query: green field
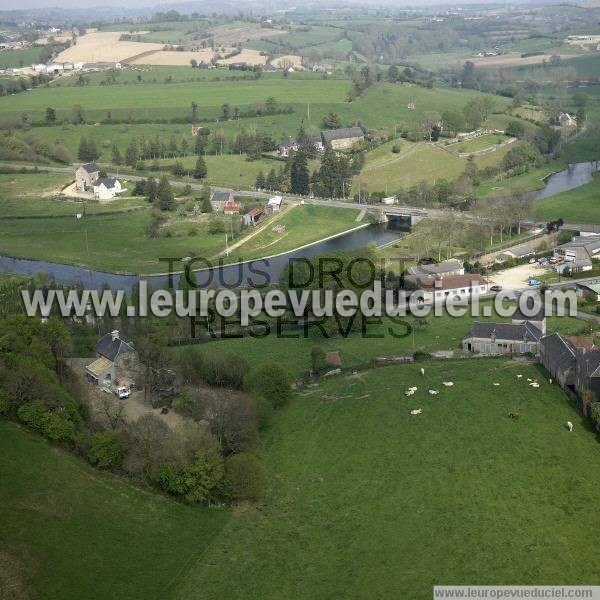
x,y
231,170
482,142
581,205
440,333
387,171
19,58
171,100
109,240
364,500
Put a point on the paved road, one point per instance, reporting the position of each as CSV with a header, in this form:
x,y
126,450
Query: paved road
x,y
288,198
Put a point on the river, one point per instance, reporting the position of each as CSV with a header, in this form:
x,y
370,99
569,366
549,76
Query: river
x,y
261,271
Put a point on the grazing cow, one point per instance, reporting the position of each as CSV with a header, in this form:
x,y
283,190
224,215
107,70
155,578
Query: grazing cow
x,y
416,411
569,426
519,376
496,383
433,392
448,383
513,415
409,393
422,371
550,381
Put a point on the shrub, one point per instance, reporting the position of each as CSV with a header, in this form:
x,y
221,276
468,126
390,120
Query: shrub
x,y
244,478
5,406
106,449
273,382
32,414
226,370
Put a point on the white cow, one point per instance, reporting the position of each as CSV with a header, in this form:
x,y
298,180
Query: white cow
x,y
496,383
422,371
519,376
433,392
569,426
448,383
416,411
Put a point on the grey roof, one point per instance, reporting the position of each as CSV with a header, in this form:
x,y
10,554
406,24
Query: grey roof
x,y
588,363
108,182
341,134
288,142
441,267
91,167
504,331
537,313
589,242
269,68
523,250
557,353
219,196
111,348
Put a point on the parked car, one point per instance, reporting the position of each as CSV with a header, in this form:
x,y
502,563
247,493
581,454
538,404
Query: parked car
x,y
532,261
496,288
533,281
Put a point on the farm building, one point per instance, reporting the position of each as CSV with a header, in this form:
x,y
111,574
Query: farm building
x,y
566,120
114,357
502,338
520,251
455,287
218,200
86,176
578,253
107,188
274,204
522,335
558,357
343,138
446,268
288,145
231,207
590,287
254,216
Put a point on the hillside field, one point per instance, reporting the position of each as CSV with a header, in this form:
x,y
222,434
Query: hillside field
x,y
364,500
581,205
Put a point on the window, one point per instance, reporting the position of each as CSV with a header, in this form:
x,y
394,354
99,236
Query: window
x,y
462,291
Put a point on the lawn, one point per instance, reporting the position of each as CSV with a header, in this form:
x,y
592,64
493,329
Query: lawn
x,y
170,100
302,224
231,170
68,531
364,500
386,171
581,205
440,333
24,57
482,142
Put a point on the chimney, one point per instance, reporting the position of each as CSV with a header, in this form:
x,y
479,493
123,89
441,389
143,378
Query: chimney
x,y
114,335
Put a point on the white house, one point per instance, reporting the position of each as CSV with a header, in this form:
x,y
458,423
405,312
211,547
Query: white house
x,y
86,176
107,188
456,287
274,203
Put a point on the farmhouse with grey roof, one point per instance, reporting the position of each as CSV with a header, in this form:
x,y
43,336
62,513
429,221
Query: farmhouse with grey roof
x,y
343,138
114,355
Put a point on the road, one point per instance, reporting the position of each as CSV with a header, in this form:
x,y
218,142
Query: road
x,y
288,198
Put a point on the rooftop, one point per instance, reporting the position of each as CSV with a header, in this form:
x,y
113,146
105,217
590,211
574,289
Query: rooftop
x,y
504,331
343,133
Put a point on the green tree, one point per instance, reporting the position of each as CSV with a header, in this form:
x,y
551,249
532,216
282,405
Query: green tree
x,y
50,116
150,189
116,156
331,121
226,111
515,129
132,155
261,182
299,175
393,74
273,382
200,168
106,449
164,194
199,144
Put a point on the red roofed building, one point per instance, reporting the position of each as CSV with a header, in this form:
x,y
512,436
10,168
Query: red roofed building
x,y
457,287
231,207
253,217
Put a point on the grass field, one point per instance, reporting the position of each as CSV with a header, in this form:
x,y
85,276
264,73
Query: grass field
x,y
109,240
232,170
385,170
364,500
19,58
581,205
440,333
165,101
479,143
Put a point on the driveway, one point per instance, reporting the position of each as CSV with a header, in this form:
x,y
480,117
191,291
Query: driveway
x,y
516,278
